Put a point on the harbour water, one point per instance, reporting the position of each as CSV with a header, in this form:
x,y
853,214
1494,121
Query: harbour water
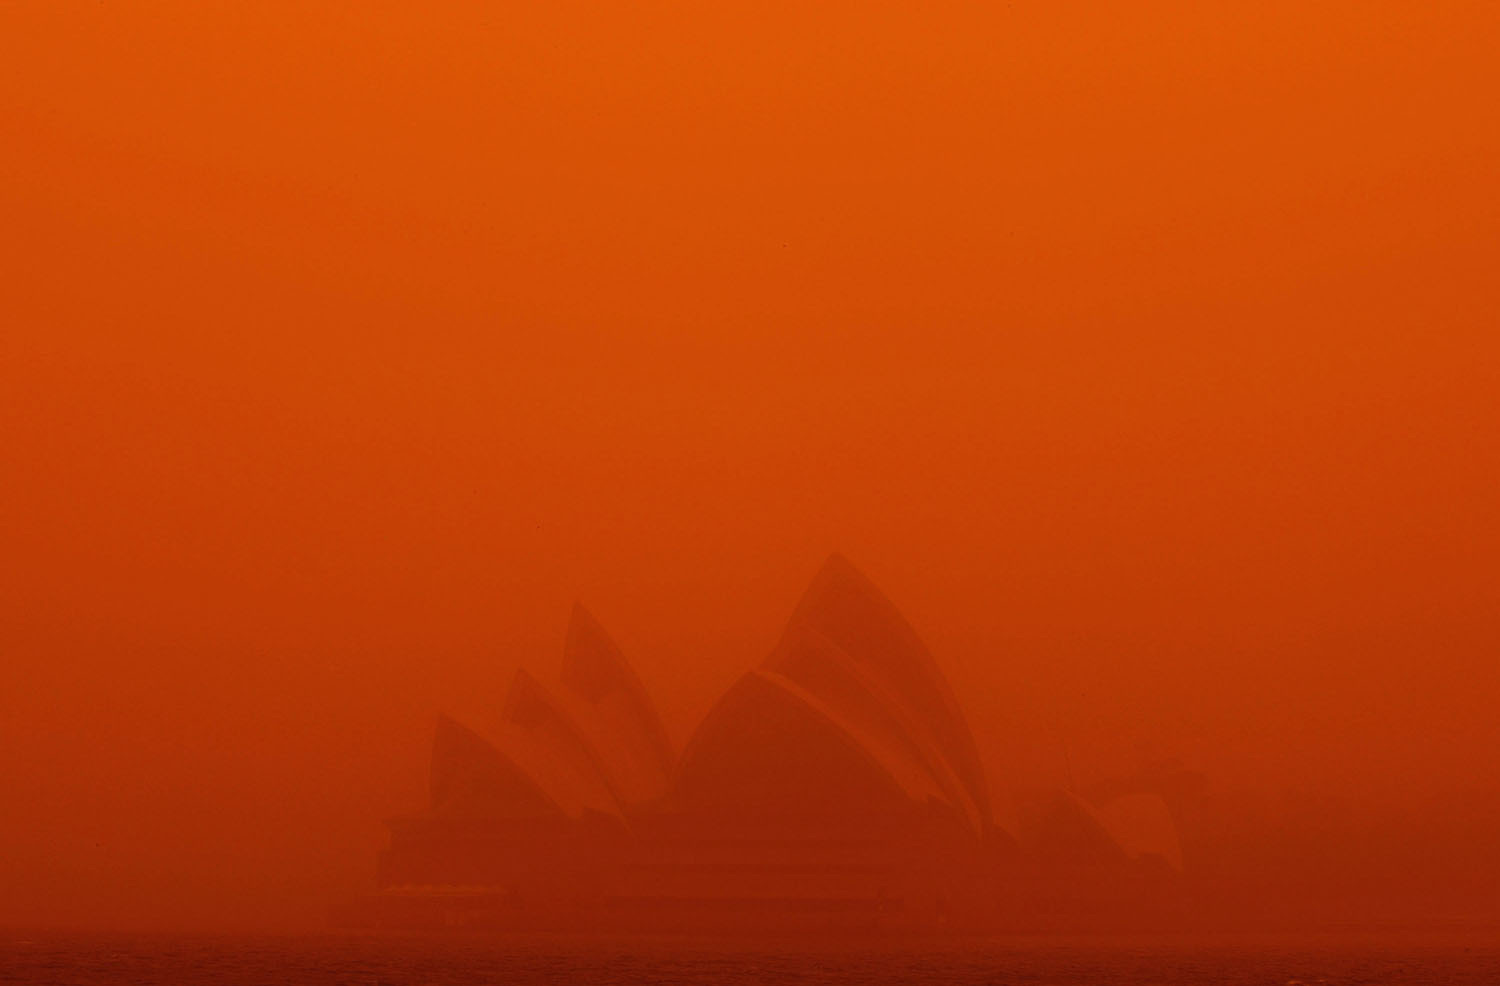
x,y
458,960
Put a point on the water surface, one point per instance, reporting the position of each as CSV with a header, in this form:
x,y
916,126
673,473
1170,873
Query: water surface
x,y
186,960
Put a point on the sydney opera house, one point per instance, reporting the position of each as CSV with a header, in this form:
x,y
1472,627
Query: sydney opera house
x,y
838,785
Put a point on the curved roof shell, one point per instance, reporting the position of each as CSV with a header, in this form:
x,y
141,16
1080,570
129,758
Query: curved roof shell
x,y
847,609
469,775
614,710
865,704
540,734
772,754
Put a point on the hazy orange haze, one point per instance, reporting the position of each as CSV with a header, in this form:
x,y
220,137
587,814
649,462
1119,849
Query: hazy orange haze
x,y
1145,354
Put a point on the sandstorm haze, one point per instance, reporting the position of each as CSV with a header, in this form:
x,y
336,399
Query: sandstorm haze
x,y
1146,358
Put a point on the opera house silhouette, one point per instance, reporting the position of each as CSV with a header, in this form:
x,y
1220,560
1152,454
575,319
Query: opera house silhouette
x,y
838,785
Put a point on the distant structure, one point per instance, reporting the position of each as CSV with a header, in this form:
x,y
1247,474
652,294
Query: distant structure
x,y
836,786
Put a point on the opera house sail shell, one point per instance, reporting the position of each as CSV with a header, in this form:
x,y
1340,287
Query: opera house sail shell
x,y
612,706
838,784
848,611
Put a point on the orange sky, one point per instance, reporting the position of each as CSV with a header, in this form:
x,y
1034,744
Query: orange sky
x,y
1145,354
